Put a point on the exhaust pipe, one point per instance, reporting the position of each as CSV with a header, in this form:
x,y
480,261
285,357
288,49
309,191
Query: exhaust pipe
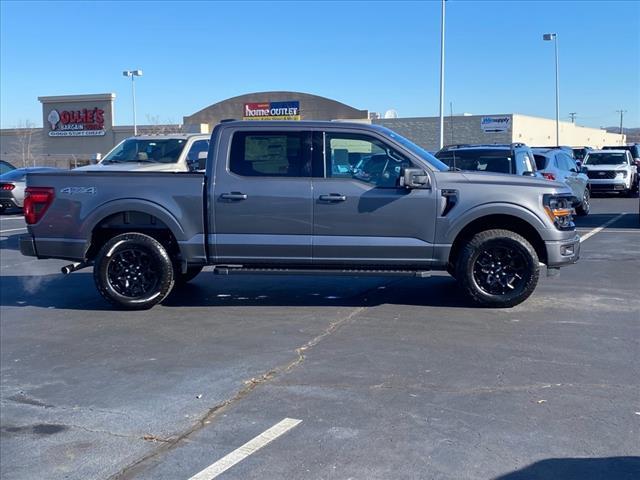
x,y
72,267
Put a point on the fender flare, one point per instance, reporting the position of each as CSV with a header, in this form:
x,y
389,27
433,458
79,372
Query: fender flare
x,y
130,205
489,209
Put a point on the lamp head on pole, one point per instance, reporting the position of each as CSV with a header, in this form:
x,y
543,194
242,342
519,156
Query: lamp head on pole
x,y
132,73
549,36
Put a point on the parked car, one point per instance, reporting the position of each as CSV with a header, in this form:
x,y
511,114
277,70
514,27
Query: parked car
x,y
516,158
277,198
634,148
556,164
156,153
611,171
12,185
569,150
5,167
579,153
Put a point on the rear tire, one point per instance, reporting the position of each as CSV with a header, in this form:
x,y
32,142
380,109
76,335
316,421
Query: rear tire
x,y
133,271
498,268
585,206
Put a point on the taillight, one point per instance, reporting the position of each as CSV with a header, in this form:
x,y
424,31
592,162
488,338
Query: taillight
x,y
548,175
7,186
36,202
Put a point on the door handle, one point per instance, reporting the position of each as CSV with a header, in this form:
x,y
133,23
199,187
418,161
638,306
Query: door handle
x,y
234,196
333,197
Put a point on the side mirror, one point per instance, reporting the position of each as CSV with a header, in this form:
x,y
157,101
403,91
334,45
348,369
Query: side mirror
x,y
95,158
584,169
573,170
414,178
202,160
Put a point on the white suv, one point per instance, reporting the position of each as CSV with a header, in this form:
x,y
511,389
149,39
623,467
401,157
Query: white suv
x,y
611,171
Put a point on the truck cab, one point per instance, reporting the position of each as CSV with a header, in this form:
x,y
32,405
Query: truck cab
x,y
155,153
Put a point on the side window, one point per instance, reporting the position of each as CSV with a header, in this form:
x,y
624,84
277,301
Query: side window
x,y
363,158
197,147
270,154
566,162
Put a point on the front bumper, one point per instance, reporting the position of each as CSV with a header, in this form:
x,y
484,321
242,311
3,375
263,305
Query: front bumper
x,y
609,184
28,246
563,252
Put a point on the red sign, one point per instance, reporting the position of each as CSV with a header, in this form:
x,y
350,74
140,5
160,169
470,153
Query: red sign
x,y
76,123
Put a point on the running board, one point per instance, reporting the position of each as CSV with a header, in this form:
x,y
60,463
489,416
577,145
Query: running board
x,y
239,270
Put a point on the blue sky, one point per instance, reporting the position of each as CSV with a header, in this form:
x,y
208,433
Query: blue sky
x,y
373,55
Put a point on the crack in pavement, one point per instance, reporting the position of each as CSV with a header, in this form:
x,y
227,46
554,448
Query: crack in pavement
x,y
152,458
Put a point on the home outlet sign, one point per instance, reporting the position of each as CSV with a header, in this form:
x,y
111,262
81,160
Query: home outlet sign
x,y
88,122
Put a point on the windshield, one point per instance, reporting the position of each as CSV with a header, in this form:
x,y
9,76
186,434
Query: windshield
x,y
146,150
417,150
606,159
478,160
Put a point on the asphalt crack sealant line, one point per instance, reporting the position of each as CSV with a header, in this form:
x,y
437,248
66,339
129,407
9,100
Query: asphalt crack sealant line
x,y
153,458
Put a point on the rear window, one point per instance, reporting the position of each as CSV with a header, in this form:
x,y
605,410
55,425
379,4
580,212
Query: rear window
x,y
269,154
498,161
541,161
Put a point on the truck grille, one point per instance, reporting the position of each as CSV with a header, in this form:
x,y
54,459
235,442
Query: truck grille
x,y
600,174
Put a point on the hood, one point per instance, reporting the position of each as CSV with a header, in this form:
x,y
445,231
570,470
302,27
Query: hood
x,y
133,167
606,168
490,178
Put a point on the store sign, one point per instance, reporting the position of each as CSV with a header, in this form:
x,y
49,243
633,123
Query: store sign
x,y
76,123
272,111
495,124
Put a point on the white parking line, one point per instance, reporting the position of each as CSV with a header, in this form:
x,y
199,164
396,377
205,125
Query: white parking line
x,y
13,230
587,236
252,446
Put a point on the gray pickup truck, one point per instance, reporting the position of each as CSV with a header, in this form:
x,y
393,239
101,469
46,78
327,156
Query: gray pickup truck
x,y
324,198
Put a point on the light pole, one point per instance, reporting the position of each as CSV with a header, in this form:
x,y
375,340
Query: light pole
x,y
442,77
133,74
548,37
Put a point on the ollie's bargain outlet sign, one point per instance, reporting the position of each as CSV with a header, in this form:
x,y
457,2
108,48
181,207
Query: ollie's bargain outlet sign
x,y
88,122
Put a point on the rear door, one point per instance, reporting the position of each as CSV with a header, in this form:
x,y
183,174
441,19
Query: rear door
x,y
361,214
262,198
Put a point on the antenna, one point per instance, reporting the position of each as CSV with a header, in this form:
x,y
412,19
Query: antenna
x,y
391,113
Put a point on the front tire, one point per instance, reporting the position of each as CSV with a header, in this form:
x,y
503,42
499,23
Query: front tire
x,y
133,271
498,268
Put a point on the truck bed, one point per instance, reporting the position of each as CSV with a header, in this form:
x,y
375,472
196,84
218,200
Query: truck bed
x,y
86,200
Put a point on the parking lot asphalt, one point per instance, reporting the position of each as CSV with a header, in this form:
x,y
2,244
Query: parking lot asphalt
x,y
388,377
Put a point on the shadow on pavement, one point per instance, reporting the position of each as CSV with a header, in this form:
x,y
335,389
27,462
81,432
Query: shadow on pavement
x,y
606,468
594,220
77,291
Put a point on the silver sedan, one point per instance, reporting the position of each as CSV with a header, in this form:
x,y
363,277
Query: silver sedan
x,y
12,185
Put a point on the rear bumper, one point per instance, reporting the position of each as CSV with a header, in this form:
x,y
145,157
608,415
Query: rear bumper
x,y
8,203
28,246
563,252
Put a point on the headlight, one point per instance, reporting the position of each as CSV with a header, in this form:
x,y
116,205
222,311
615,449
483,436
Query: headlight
x,y
623,173
559,208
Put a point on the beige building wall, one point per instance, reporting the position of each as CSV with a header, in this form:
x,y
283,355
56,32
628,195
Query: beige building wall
x,y
541,132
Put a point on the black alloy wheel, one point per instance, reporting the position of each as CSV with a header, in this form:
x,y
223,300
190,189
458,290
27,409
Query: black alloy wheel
x,y
497,268
133,271
500,269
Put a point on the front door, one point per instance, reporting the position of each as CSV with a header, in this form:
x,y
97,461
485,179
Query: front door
x,y
262,199
361,214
